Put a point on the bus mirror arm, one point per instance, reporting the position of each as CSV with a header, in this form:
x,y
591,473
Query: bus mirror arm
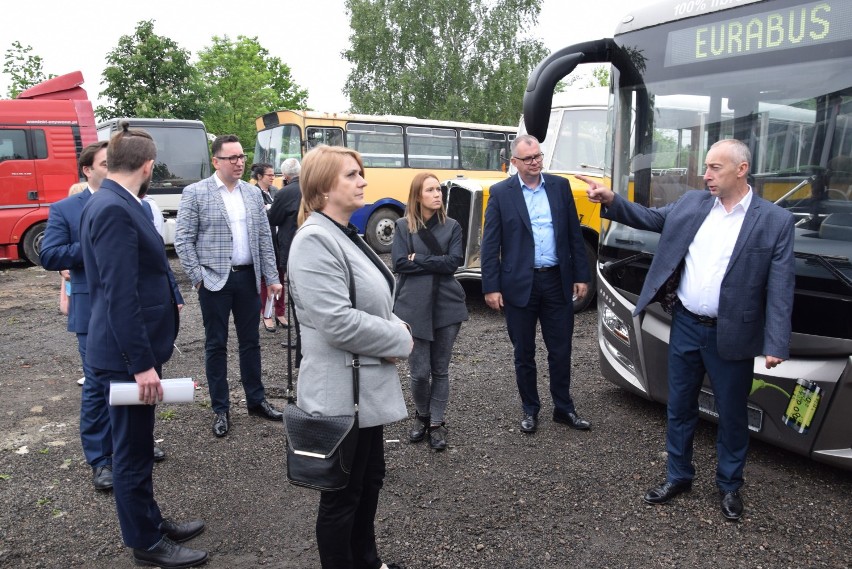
x,y
538,97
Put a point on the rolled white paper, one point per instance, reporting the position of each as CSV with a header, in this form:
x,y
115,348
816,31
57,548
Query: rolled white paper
x,y
179,390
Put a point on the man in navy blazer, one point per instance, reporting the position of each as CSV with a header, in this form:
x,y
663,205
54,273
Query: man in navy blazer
x,y
133,326
729,254
533,265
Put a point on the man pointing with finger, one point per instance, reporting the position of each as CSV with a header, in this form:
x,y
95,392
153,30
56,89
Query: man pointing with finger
x,y
729,255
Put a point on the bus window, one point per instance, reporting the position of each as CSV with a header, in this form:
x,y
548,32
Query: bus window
x,y
581,133
481,150
327,136
380,145
432,148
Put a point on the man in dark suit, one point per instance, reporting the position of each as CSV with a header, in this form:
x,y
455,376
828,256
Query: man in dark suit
x,y
133,325
533,265
224,243
734,302
283,215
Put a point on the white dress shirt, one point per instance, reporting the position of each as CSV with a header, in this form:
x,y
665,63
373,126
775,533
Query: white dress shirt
x,y
236,208
708,257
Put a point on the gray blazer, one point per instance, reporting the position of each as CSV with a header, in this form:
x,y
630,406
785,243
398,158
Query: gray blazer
x,y
423,308
332,330
203,238
756,298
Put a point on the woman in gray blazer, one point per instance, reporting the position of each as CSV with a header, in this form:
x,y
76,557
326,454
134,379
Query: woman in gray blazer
x,y
332,330
427,250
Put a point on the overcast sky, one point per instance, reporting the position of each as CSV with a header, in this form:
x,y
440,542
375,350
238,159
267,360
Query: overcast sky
x,y
307,36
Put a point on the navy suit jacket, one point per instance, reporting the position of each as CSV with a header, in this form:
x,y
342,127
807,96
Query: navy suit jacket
x,y
508,250
134,319
756,296
60,250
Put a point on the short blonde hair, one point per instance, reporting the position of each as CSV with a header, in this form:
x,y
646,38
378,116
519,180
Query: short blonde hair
x,y
76,188
320,169
413,209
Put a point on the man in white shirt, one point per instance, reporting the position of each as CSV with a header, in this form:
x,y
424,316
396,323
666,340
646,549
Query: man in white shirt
x,y
732,252
224,244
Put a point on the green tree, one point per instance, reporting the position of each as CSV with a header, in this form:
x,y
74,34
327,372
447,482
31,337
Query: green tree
x,y
600,77
23,68
150,76
445,59
243,82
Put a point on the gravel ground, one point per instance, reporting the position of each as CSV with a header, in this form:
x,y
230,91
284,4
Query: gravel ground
x,y
497,498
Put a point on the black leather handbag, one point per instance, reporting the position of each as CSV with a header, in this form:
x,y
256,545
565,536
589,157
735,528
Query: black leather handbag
x,y
321,448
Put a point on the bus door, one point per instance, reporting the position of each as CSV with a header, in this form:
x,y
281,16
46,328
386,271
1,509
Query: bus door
x,y
19,189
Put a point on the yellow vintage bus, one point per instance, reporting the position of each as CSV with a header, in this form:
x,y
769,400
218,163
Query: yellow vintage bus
x,y
394,149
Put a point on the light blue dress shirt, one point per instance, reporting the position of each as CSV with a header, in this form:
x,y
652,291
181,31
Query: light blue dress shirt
x,y
541,221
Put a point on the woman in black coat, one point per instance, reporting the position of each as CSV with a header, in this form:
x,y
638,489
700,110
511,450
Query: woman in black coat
x,y
427,250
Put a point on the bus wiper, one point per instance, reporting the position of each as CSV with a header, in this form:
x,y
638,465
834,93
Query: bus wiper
x,y
609,266
797,187
591,167
826,262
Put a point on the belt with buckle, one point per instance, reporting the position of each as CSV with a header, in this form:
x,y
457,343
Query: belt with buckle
x,y
545,269
703,320
237,268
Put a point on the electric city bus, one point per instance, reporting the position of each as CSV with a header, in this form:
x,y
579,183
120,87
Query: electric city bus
x,y
774,74
575,144
394,150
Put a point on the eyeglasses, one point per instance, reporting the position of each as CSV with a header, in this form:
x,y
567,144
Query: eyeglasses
x,y
530,159
232,159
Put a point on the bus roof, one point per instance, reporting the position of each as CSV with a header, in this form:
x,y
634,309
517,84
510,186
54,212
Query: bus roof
x,y
668,11
273,119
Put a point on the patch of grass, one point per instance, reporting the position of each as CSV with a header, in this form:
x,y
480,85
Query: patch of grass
x,y
167,415
5,476
43,501
44,451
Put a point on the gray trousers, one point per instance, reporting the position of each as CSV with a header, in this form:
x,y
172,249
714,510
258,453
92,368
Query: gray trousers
x,y
432,359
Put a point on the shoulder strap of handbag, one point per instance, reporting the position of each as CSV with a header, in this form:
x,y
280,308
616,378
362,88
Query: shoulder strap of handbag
x,y
356,360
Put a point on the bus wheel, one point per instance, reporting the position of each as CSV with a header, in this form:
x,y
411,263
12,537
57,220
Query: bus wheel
x,y
380,229
592,256
32,242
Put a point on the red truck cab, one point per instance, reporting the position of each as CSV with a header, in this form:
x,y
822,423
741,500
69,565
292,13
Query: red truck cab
x,y
42,133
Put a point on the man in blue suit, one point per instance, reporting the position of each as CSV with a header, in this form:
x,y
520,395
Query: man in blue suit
x,y
133,325
729,255
533,265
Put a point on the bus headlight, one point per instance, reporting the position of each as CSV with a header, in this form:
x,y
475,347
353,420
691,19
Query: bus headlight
x,y
615,325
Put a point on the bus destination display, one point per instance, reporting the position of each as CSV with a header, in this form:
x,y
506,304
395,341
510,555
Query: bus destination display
x,y
816,23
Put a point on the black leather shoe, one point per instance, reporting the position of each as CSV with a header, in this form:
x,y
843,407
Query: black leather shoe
x,y
732,504
529,424
170,555
266,410
222,424
102,477
666,491
159,454
438,437
418,429
181,532
572,420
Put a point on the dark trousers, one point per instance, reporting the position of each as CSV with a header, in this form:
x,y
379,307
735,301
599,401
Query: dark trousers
x,y
547,305
692,353
238,296
95,431
346,533
132,465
